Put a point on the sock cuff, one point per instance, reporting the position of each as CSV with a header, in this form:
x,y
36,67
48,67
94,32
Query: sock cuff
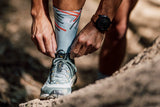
x,y
65,20
66,26
75,12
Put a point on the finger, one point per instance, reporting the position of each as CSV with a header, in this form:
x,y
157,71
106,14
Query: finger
x,y
33,38
41,46
34,41
33,32
89,50
48,45
77,45
75,49
93,49
54,44
82,50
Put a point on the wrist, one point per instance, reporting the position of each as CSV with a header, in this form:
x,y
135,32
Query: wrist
x,y
39,15
108,8
39,8
36,13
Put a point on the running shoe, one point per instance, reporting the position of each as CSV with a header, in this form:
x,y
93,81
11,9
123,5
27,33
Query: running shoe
x,y
61,78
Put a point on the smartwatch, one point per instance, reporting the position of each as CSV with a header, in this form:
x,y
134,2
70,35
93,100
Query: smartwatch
x,y
101,22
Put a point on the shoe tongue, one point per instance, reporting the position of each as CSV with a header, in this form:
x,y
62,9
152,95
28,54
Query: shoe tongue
x,y
61,55
66,56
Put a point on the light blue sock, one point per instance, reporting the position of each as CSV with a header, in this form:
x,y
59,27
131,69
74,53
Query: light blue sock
x,y
66,26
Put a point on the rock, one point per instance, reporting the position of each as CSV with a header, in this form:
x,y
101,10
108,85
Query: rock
x,y
136,84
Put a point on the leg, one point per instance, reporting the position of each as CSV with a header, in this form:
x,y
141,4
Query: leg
x,y
63,71
68,4
67,14
114,46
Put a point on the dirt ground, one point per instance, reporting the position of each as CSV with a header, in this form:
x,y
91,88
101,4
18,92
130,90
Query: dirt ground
x,y
23,69
134,85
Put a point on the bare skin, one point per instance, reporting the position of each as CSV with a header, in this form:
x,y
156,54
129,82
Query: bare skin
x,y
90,38
114,46
43,34
42,31
69,4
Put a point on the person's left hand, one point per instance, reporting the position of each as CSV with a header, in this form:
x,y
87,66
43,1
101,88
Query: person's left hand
x,y
87,41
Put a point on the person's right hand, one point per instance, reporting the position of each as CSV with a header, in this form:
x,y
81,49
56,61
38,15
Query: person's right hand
x,y
43,35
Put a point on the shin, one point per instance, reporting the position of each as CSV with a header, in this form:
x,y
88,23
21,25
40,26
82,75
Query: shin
x,y
66,22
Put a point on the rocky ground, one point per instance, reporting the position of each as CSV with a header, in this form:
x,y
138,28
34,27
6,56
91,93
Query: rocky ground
x,y
23,69
134,85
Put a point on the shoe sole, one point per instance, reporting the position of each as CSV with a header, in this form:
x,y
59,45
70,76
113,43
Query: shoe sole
x,y
53,96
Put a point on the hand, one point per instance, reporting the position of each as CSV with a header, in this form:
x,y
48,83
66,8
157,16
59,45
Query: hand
x,y
43,35
87,41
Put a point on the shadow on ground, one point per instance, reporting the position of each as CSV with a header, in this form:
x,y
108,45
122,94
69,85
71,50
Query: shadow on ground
x,y
23,69
18,69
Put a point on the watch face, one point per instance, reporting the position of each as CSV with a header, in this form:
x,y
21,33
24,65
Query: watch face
x,y
103,23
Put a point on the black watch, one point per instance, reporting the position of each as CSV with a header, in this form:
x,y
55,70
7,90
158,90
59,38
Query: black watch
x,y
101,22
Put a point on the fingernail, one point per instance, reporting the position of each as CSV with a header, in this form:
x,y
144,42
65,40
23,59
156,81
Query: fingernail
x,y
53,55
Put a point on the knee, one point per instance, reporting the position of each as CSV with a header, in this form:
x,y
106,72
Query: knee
x,y
121,28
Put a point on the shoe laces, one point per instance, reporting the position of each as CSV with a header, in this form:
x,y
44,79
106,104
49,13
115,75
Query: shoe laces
x,y
62,63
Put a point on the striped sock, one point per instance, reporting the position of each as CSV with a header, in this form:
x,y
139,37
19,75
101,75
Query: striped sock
x,y
66,26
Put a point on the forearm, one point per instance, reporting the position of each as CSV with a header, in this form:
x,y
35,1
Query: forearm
x,y
108,8
39,8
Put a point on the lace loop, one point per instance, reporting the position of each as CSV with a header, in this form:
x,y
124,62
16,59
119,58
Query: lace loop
x,y
59,63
